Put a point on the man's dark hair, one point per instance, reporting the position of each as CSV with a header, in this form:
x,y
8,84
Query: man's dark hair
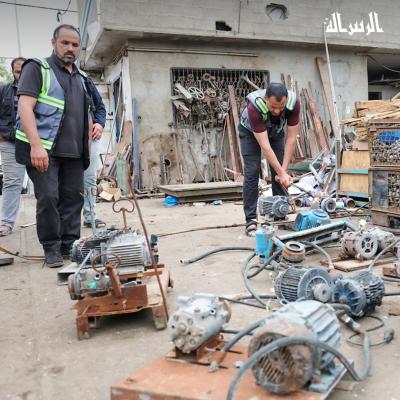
x,y
65,26
278,90
15,60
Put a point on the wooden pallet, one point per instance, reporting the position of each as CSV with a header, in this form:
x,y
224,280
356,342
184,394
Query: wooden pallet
x,y
168,379
190,193
351,265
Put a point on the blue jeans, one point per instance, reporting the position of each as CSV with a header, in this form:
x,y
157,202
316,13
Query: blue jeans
x,y
90,184
13,178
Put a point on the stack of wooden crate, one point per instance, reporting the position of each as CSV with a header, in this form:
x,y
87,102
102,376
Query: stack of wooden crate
x,y
384,173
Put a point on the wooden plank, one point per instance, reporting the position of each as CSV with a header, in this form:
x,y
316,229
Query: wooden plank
x,y
355,265
211,197
235,117
320,135
355,159
354,183
324,75
352,177
202,186
231,145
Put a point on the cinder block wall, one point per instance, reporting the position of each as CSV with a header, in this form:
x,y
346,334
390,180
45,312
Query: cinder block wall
x,y
248,18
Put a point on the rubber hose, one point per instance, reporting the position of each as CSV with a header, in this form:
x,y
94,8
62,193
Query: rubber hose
x,y
322,251
379,255
266,263
244,271
218,250
241,334
241,302
392,294
261,296
302,340
388,279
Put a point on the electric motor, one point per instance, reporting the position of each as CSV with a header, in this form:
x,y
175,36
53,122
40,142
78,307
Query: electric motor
x,y
273,207
197,319
81,247
131,248
311,219
328,204
384,238
290,368
365,244
304,284
88,281
361,292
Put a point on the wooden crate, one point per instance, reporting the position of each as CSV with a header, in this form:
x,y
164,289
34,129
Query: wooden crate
x,y
384,218
353,173
384,190
384,135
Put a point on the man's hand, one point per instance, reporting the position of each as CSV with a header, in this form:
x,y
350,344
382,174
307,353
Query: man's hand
x,y
97,131
1,138
284,179
39,157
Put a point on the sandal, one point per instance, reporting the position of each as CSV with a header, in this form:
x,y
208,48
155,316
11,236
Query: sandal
x,y
99,223
5,230
251,228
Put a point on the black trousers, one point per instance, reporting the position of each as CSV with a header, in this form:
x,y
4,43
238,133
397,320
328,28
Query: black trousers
x,y
251,153
58,192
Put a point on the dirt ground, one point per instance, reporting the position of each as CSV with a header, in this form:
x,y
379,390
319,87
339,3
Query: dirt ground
x,y
41,358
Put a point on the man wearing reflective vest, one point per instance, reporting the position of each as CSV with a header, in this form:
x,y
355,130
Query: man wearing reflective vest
x,y
262,130
52,140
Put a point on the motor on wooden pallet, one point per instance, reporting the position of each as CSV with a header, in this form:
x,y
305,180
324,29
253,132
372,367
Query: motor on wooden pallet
x,y
197,319
311,219
365,244
273,207
294,367
127,249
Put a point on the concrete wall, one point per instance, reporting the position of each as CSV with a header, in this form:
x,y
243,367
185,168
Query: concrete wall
x,y
151,77
151,86
248,18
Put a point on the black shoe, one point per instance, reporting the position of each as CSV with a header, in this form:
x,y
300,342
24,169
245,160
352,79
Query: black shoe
x,y
66,251
53,259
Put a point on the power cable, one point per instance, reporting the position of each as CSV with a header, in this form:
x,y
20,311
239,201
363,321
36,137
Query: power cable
x,y
40,7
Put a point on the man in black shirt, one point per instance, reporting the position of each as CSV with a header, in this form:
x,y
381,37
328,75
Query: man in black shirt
x,y
52,141
13,173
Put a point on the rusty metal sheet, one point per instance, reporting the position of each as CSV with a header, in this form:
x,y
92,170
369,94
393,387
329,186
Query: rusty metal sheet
x,y
166,379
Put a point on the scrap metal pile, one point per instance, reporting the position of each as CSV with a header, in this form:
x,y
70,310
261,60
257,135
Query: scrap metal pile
x,y
296,347
207,104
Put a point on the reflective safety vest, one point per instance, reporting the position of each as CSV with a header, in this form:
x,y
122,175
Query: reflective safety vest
x,y
257,99
49,108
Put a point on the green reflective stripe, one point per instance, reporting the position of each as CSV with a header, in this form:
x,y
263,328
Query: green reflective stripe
x,y
52,99
261,105
291,100
43,88
47,144
49,102
45,63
